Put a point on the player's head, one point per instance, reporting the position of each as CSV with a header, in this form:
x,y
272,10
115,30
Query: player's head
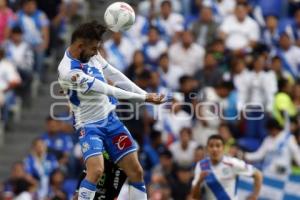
x,y
16,34
29,6
273,127
86,39
166,8
17,170
38,147
185,135
199,153
241,11
284,41
215,147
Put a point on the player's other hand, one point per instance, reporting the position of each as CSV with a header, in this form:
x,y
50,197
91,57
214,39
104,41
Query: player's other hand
x,y
155,98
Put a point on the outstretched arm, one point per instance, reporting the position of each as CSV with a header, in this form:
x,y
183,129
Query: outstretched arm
x,y
120,80
81,82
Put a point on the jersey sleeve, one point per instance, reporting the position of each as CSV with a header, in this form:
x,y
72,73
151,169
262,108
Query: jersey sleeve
x,y
118,78
240,167
76,80
197,173
79,81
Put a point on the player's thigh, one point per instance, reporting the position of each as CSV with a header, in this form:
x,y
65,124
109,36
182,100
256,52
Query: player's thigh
x,y
131,165
92,148
94,167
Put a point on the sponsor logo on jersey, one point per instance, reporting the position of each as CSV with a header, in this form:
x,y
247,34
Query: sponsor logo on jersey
x,y
122,141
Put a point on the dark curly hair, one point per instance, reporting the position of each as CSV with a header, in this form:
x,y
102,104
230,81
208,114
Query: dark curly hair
x,y
89,31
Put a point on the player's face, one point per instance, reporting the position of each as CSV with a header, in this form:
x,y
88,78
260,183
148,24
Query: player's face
x,y
215,149
89,49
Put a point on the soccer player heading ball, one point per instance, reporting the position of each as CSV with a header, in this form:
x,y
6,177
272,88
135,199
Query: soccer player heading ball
x,y
83,76
217,174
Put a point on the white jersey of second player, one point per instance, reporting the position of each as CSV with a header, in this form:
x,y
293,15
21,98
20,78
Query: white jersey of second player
x,y
226,172
77,80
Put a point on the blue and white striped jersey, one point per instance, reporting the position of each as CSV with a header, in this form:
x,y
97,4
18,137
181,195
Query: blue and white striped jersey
x,y
91,98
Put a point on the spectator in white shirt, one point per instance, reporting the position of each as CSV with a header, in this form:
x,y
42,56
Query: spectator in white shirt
x,y
18,51
119,51
9,77
20,54
277,151
173,120
210,110
169,23
187,54
169,74
153,47
289,55
222,8
183,150
261,86
258,98
240,32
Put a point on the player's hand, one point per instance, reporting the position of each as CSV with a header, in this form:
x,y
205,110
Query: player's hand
x,y
155,98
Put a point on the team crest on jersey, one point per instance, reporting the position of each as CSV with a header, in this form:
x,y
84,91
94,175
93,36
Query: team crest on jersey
x,y
122,141
85,147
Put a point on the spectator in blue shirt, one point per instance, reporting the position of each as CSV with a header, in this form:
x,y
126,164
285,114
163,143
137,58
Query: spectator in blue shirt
x,y
58,143
39,164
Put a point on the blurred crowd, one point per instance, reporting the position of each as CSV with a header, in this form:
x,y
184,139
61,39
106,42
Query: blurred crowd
x,y
232,67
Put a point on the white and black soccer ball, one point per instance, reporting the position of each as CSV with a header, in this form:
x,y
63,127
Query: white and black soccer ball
x,y
119,16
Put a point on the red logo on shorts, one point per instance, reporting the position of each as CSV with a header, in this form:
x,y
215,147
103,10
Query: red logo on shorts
x,y
122,141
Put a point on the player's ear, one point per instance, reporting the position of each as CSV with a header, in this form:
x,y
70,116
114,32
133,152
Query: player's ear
x,y
80,45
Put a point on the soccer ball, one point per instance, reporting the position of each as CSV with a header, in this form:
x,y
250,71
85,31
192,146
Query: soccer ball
x,y
119,16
